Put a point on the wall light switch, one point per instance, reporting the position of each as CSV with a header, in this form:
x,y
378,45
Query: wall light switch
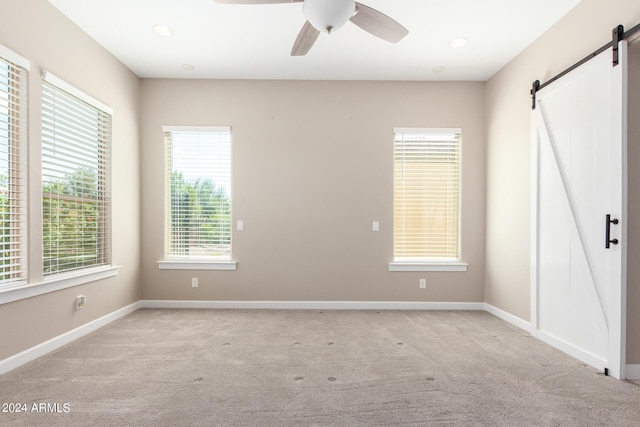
x,y
240,225
375,226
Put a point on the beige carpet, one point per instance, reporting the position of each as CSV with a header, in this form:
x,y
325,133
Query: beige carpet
x,y
301,368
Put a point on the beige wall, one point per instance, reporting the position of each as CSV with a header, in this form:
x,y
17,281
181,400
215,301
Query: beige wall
x,y
38,32
583,30
312,167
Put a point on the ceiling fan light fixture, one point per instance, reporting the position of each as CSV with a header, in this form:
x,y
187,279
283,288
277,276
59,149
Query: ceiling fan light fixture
x,y
458,42
162,30
328,15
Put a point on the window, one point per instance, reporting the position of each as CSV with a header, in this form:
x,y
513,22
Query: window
x,y
199,192
76,168
426,195
13,131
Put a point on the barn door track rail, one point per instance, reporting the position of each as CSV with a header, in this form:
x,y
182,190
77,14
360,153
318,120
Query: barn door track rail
x,y
618,34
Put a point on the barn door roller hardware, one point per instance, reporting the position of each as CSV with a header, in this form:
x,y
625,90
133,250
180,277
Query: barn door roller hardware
x,y
618,34
535,87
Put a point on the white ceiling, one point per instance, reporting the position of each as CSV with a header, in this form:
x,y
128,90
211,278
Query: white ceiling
x,y
225,41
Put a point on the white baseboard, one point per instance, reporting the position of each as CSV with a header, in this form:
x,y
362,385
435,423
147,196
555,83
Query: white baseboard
x,y
313,305
508,317
54,343
632,372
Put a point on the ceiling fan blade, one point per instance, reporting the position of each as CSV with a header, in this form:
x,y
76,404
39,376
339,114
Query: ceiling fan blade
x,y
378,24
257,1
306,38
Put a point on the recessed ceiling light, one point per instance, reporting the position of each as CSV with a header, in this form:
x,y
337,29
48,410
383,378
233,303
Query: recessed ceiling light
x,y
458,42
438,69
188,67
162,30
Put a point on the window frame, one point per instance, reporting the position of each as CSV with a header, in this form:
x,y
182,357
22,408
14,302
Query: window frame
x,y
17,191
196,262
430,263
103,197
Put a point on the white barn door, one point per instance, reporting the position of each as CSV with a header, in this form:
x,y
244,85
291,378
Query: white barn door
x,y
579,181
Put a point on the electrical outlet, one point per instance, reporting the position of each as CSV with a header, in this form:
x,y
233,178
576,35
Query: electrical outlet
x,y
194,282
423,283
375,226
81,302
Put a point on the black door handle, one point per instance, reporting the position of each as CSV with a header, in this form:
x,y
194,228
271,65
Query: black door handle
x,y
607,238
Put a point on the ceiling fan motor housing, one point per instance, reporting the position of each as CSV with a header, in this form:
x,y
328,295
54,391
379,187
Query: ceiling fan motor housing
x,y
328,15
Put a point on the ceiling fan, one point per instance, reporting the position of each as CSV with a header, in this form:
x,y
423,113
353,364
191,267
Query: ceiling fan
x,y
329,15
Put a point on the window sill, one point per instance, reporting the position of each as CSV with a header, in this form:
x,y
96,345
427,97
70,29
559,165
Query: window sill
x,y
57,282
428,266
197,264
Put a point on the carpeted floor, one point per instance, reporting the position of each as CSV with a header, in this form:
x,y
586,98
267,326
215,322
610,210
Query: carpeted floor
x,y
301,368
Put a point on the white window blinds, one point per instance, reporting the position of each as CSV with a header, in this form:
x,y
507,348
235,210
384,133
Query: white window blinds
x,y
76,168
426,194
199,190
13,134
